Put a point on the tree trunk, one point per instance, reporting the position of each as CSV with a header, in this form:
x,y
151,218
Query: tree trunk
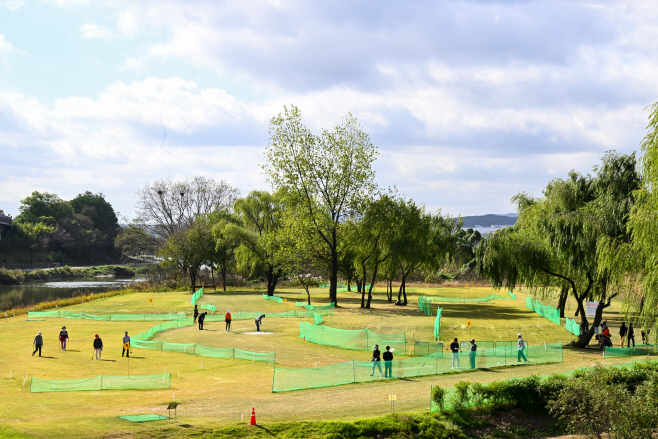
x,y
272,279
404,289
333,278
362,288
349,284
389,290
224,276
564,294
372,285
212,274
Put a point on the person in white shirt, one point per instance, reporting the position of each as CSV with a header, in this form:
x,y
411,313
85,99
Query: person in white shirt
x,y
521,346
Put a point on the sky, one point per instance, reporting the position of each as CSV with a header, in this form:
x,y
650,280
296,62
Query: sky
x,y
469,102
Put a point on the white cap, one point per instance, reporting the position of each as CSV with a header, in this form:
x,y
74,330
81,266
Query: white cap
x,y
39,332
518,335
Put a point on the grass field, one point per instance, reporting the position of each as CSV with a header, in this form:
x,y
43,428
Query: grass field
x,y
225,389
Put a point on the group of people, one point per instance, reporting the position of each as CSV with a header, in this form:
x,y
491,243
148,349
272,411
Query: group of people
x,y
201,317
377,361
455,348
97,343
625,333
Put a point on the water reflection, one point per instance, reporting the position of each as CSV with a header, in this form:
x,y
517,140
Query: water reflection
x,y
21,295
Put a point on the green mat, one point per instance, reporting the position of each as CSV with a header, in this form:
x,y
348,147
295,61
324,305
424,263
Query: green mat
x,y
143,418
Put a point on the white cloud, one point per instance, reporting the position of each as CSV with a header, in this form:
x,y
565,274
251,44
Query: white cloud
x,y
14,4
91,30
5,46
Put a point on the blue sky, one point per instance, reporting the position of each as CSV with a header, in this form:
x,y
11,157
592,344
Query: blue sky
x,y
469,102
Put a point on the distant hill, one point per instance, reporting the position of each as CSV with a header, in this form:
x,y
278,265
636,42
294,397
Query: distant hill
x,y
489,220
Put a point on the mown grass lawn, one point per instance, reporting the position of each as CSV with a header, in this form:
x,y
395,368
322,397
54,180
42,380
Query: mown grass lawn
x,y
224,390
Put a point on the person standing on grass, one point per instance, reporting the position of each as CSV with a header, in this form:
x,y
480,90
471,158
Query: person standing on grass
x,y
126,340
631,335
38,343
388,363
472,353
227,319
196,313
622,332
202,318
259,321
454,347
98,346
63,336
520,344
376,361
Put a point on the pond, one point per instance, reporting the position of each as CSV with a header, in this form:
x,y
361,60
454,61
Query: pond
x,y
20,295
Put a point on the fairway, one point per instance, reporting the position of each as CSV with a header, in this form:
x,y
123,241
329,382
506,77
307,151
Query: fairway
x,y
216,391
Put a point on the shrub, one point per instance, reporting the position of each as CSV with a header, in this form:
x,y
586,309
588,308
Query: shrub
x,y
462,396
438,396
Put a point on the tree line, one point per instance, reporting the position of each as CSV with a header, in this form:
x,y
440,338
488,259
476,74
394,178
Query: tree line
x,y
324,218
81,230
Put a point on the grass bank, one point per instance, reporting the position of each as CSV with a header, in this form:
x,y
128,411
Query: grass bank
x,y
15,277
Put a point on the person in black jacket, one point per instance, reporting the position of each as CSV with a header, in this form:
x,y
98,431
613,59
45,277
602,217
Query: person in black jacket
x,y
202,318
454,348
98,346
196,312
388,363
63,336
38,342
376,361
622,332
631,335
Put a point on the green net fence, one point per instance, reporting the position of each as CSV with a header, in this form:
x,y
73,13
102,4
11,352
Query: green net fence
x,y
276,299
196,296
547,311
571,326
141,341
628,352
108,317
423,348
437,323
358,339
329,307
424,302
365,371
512,295
212,308
102,382
317,318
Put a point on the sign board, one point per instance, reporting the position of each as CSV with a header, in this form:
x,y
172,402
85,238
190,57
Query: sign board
x,y
464,346
392,397
590,309
150,300
468,323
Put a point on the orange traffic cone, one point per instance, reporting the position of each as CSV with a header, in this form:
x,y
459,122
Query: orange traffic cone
x,y
253,416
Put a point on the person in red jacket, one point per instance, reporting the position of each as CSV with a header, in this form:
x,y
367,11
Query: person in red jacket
x,y
227,319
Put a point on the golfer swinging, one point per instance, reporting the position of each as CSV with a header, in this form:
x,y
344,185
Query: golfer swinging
x,y
259,321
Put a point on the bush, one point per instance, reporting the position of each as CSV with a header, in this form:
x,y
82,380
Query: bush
x,y
462,396
438,396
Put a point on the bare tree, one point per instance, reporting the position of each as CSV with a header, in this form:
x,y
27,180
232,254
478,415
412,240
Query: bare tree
x,y
166,207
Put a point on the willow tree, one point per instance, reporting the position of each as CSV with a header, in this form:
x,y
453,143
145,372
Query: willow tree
x,y
259,215
327,175
557,241
637,258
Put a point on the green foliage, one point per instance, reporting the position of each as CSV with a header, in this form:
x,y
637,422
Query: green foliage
x,y
438,396
558,240
189,250
462,395
258,220
327,177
